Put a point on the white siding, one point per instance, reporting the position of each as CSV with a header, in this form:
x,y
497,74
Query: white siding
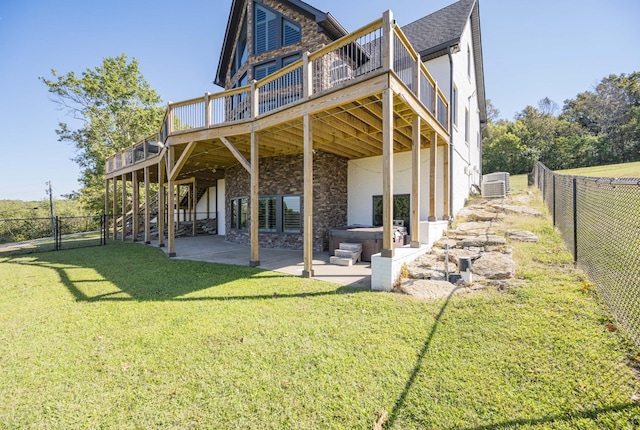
x,y
465,160
365,181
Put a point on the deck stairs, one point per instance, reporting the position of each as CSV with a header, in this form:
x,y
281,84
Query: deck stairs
x,y
347,254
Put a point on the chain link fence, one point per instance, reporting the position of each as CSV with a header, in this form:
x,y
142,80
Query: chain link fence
x,y
599,220
30,235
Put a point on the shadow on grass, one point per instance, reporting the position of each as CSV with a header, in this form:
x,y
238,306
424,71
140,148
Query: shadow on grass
x,y
592,414
589,414
400,402
124,273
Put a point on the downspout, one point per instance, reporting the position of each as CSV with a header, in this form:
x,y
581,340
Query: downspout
x,y
450,55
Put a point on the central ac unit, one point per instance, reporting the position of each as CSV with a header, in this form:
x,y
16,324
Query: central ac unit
x,y
498,176
494,189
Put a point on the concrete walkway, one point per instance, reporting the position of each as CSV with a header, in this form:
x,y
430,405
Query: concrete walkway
x,y
214,249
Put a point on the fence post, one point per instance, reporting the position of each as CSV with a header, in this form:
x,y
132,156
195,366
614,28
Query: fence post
x,y
575,220
103,229
554,200
57,235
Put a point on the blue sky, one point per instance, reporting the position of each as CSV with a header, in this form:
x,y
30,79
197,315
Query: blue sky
x,y
532,50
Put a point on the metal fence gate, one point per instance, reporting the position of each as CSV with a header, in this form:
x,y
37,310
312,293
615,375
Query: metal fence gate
x,y
29,235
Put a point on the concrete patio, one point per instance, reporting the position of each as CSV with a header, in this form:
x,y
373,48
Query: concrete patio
x,y
215,249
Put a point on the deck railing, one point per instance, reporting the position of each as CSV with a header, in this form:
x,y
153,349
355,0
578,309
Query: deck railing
x,y
334,65
351,57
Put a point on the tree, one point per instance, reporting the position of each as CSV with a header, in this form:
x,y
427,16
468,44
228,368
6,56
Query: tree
x,y
611,112
115,107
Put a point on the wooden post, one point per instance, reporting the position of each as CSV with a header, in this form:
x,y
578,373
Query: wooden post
x,y
308,198
387,40
115,208
446,177
415,184
135,205
124,207
255,100
147,207
106,209
161,201
387,173
207,110
307,76
207,200
253,225
433,177
194,214
172,207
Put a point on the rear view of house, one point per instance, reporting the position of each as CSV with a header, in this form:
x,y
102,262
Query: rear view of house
x,y
320,132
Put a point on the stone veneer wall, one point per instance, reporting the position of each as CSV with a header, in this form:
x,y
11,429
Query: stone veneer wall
x,y
285,175
312,39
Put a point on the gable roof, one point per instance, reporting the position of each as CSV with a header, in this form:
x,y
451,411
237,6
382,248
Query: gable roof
x,y
433,36
326,22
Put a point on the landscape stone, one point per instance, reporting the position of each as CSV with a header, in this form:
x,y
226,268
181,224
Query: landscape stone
x,y
494,265
429,289
522,235
482,240
475,227
485,215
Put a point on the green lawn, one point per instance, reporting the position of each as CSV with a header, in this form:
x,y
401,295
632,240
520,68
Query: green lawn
x,y
122,337
626,170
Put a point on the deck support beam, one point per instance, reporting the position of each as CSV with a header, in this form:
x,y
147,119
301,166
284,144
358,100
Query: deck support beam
x,y
115,208
415,184
124,207
308,198
387,173
135,213
161,201
106,209
194,205
253,224
171,209
433,177
237,154
147,208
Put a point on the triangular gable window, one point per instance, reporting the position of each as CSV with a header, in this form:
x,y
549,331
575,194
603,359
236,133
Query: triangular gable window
x,y
290,33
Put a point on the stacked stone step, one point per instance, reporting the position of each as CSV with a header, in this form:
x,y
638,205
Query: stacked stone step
x,y
347,254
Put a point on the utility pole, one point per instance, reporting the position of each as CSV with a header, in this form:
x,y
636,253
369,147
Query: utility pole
x,y
53,220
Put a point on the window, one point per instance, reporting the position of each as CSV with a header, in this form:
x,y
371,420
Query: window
x,y
290,59
264,70
454,106
241,54
466,126
265,35
291,214
290,33
401,209
272,30
239,211
468,61
267,214
276,214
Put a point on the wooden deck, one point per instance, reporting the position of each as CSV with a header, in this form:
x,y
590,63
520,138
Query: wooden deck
x,y
386,102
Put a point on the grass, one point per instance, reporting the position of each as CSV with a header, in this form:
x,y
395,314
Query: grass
x,y
625,170
121,337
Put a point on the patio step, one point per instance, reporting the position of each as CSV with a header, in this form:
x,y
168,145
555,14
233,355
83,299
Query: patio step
x,y
344,253
340,261
347,255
